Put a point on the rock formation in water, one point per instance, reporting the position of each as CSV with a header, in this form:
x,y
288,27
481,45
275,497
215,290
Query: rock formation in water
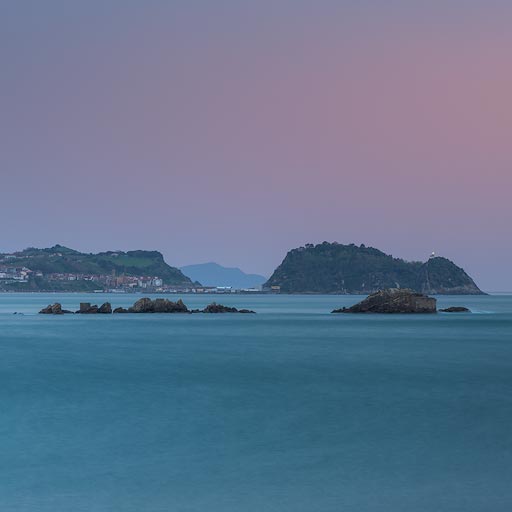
x,y
144,305
219,308
393,300
455,309
87,309
54,309
105,309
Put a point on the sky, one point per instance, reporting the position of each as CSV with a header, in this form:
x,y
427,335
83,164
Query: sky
x,y
233,131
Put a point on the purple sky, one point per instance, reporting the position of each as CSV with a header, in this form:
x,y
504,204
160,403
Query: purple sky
x,y
233,131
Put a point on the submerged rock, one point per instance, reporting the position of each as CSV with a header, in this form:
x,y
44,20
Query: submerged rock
x,y
393,300
455,309
120,310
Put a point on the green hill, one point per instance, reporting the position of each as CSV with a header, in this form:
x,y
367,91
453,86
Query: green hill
x,y
63,261
351,269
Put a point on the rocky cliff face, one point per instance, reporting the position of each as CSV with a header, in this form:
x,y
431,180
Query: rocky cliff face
x,y
351,269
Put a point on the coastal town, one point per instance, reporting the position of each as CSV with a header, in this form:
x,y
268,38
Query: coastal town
x,y
23,278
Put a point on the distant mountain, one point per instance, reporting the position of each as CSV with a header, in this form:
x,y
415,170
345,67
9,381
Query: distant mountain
x,y
59,268
213,274
351,269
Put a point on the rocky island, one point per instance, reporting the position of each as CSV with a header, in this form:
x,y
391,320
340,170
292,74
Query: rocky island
x,y
393,300
334,268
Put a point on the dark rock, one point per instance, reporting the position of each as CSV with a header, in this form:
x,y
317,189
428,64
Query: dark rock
x,y
57,309
393,300
146,305
87,309
105,309
120,310
84,307
455,309
246,311
54,309
219,308
47,310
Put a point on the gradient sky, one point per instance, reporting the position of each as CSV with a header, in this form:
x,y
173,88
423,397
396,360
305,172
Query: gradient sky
x,y
235,130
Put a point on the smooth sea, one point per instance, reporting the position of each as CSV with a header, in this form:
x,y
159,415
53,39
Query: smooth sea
x,y
289,410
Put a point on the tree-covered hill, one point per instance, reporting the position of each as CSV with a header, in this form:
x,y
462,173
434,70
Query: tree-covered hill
x,y
62,260
351,269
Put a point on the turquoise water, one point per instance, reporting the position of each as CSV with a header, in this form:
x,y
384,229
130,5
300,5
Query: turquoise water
x,y
292,409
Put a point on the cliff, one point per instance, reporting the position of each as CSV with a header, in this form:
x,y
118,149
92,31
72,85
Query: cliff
x,y
351,269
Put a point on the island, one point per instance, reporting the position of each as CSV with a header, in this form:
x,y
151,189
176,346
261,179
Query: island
x,y
333,268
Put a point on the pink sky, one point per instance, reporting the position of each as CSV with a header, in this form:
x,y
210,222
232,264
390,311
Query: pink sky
x,y
237,131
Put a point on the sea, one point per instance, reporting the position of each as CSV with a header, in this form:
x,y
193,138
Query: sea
x,y
293,409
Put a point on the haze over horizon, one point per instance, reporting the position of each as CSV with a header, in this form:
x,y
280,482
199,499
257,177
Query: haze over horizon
x,y
235,131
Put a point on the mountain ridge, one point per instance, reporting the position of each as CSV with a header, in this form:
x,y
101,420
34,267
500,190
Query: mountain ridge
x,y
214,274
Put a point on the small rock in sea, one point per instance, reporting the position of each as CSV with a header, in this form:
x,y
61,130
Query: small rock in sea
x,y
54,309
393,300
219,308
120,310
87,309
105,309
146,305
455,309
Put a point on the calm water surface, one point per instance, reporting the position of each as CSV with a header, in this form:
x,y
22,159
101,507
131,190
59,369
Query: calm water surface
x,y
292,409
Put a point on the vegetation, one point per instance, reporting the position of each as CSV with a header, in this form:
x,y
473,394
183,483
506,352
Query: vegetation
x,y
351,269
62,260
